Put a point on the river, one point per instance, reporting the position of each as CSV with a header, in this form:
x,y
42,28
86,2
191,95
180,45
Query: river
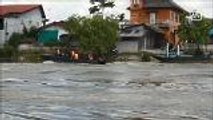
x,y
115,91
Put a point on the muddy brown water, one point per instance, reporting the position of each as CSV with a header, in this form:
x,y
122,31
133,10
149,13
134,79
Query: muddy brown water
x,y
116,91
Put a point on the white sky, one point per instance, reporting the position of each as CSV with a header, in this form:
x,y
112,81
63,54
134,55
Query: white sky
x,y
61,9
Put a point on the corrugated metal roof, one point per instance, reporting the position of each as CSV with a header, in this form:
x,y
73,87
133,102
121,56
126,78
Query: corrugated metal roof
x,y
137,30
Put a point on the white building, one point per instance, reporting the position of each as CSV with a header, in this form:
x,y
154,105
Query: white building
x,y
13,18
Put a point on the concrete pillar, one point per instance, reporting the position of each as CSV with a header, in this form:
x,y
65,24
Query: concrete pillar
x,y
145,44
167,50
178,50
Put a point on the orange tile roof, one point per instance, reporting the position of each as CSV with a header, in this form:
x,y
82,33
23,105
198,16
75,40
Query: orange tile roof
x,y
16,9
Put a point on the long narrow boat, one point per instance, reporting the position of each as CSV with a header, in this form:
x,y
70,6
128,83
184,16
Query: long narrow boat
x,y
184,59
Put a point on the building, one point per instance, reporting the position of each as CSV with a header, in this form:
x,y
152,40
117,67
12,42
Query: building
x,y
140,37
161,14
210,33
52,32
14,18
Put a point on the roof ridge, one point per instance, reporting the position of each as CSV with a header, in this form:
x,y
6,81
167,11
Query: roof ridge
x,y
4,5
18,8
162,4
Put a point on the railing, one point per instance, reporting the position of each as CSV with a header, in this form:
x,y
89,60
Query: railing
x,y
162,23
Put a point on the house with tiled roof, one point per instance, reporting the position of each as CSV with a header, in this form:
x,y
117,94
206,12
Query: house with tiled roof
x,y
161,14
14,18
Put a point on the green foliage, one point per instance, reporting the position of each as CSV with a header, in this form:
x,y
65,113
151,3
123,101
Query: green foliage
x,y
31,33
7,52
15,40
146,57
184,29
95,34
102,4
73,25
18,38
196,31
32,56
10,49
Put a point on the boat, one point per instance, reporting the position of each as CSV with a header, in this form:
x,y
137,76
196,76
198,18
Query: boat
x,y
184,59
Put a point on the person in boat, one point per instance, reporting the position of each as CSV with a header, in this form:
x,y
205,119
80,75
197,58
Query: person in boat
x,y
101,60
76,57
72,55
90,57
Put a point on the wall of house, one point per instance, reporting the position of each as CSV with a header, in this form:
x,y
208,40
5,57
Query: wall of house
x,y
162,16
16,23
135,46
60,30
2,37
150,40
170,34
135,16
127,46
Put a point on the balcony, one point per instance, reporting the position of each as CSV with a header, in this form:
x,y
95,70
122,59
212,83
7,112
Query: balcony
x,y
162,23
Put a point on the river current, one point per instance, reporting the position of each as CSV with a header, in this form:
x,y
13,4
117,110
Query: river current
x,y
116,91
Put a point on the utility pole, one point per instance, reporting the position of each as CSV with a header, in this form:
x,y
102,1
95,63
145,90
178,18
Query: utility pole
x,y
178,50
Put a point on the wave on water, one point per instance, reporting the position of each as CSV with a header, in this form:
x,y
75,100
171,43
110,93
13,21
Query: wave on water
x,y
12,79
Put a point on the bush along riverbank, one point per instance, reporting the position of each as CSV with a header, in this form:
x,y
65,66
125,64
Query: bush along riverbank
x,y
11,55
55,54
29,56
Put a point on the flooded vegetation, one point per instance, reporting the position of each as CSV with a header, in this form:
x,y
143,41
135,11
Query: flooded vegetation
x,y
115,91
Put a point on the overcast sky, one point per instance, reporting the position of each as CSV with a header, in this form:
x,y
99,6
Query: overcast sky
x,y
60,9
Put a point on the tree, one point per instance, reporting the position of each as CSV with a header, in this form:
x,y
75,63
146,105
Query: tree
x,y
194,31
15,40
73,26
94,34
102,4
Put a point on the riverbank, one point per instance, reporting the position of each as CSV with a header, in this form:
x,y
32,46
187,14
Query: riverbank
x,y
37,57
153,57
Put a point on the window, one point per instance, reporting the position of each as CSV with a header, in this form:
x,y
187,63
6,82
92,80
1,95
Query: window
x,y
174,16
1,23
171,15
134,2
152,18
177,17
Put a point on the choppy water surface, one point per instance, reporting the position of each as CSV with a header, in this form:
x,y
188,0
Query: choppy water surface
x,y
117,91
